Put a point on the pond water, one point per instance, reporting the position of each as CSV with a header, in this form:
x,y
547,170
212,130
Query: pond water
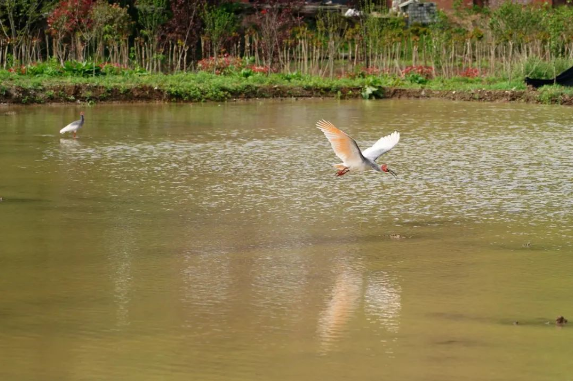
x,y
213,242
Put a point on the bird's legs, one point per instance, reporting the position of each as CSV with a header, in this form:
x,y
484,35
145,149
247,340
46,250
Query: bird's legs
x,y
342,172
74,134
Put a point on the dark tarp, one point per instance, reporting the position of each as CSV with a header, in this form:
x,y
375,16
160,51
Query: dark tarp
x,y
563,79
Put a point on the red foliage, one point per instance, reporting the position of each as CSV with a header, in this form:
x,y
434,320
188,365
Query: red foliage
x,y
220,65
259,69
69,15
425,71
470,72
224,64
18,70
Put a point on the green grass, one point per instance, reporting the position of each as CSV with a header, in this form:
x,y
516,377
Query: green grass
x,y
204,86
166,81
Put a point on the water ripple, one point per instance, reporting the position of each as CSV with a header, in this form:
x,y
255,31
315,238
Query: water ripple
x,y
464,171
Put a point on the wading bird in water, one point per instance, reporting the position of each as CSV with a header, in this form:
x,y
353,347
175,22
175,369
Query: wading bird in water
x,y
353,159
74,126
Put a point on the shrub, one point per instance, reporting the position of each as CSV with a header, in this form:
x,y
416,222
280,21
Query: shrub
x,y
373,89
260,69
425,71
470,72
418,74
81,69
221,65
109,68
290,76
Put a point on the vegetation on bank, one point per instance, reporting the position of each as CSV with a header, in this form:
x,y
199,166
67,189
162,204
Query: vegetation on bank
x,y
509,41
50,83
199,50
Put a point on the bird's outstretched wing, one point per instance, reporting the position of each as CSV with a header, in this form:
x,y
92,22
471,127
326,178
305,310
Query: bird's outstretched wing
x,y
343,145
382,146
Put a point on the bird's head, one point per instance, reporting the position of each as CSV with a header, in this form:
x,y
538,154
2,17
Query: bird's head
x,y
82,113
385,168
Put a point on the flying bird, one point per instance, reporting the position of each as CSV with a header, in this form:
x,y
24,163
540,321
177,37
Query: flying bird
x,y
74,126
353,159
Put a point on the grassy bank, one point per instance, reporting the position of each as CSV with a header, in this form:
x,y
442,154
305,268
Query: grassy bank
x,y
202,86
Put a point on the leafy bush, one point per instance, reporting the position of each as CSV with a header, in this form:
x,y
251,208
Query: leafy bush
x,y
418,74
246,73
551,94
18,70
221,65
425,71
52,68
109,68
291,76
470,72
111,22
373,89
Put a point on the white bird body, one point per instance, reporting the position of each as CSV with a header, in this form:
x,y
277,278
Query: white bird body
x,y
74,126
353,159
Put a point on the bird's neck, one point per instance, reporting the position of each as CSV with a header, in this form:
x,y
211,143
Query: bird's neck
x,y
375,166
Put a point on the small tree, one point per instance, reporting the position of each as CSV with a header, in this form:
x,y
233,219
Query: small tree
x,y
152,15
111,26
274,21
184,27
70,22
332,27
18,18
219,25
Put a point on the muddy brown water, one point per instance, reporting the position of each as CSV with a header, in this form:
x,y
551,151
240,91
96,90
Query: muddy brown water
x,y
213,242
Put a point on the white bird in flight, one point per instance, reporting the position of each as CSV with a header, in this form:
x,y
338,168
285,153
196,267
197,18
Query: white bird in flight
x,y
353,159
74,126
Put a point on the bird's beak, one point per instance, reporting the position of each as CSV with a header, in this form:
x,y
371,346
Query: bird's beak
x,y
392,172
